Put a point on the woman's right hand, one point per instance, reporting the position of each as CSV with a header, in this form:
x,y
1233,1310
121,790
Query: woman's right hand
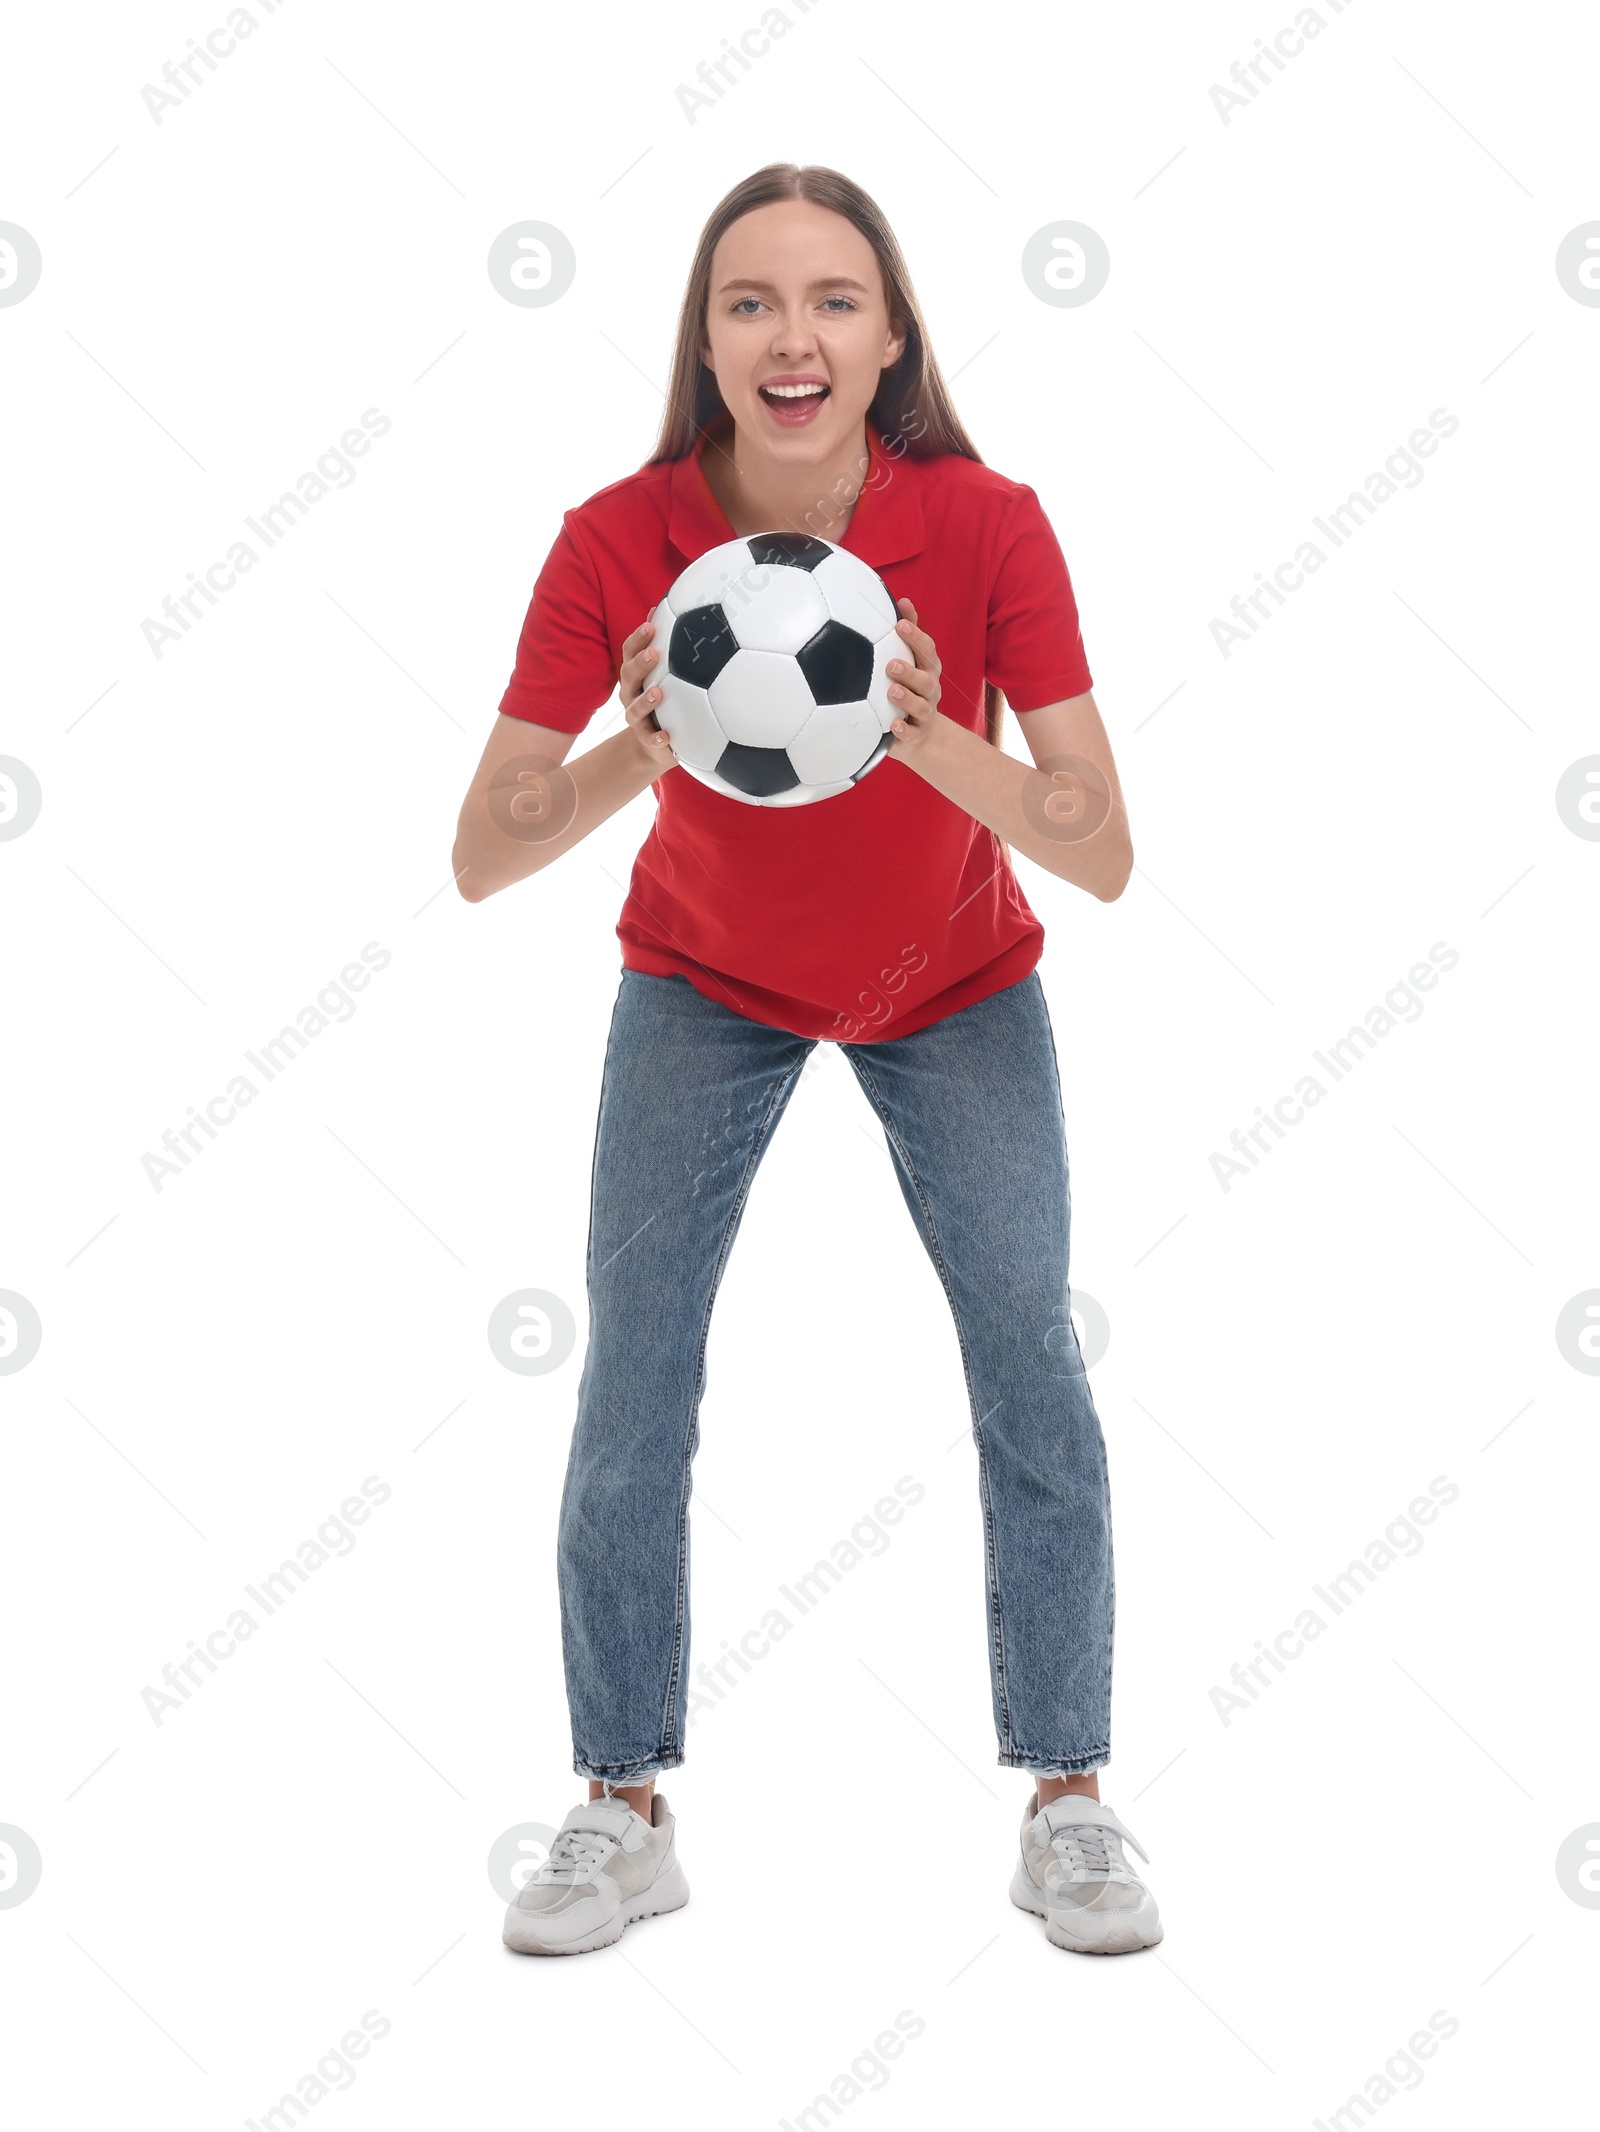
x,y
640,696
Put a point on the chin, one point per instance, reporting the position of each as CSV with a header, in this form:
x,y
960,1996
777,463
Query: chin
x,y
830,423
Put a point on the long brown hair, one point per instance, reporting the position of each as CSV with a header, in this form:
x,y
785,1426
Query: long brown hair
x,y
911,407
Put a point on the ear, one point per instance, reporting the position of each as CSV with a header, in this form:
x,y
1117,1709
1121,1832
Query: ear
x,y
894,348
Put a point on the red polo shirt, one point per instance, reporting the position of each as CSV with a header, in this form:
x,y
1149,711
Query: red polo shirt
x,y
870,914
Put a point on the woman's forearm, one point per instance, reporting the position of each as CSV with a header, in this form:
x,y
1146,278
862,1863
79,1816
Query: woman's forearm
x,y
533,809
1063,824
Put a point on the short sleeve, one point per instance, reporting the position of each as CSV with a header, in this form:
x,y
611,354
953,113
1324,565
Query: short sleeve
x,y
1034,650
565,668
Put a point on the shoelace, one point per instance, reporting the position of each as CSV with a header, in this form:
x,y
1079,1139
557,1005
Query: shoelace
x,y
575,1854
1097,1851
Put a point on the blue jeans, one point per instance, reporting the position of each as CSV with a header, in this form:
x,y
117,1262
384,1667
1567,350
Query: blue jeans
x,y
971,1108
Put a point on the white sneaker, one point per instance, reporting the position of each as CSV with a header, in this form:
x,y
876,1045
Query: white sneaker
x,y
1072,1874
607,1868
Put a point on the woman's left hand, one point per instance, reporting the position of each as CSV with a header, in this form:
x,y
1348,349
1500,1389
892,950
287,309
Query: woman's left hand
x,y
913,684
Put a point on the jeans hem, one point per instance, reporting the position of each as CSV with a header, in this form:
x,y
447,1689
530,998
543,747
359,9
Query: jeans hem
x,y
628,1772
1070,1765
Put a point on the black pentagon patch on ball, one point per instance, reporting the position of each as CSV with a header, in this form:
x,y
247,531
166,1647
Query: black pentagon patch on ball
x,y
700,646
760,772
837,664
799,550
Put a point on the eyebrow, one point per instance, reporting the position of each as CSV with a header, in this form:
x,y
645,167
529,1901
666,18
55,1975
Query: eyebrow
x,y
829,281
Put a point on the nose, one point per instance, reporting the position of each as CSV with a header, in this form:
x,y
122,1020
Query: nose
x,y
792,336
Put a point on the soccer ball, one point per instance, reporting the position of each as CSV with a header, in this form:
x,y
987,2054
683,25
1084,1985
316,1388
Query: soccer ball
x,y
773,684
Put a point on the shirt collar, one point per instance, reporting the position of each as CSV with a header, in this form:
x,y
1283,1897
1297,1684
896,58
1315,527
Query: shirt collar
x,y
886,525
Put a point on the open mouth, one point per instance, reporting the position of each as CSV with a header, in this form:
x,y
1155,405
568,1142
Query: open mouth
x,y
793,403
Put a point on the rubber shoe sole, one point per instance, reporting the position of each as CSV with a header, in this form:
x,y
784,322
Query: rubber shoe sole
x,y
1120,1932
670,1891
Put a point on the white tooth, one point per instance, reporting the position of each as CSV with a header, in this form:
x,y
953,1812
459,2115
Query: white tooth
x,y
794,392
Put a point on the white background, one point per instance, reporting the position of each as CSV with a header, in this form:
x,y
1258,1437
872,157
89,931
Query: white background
x,y
1291,1361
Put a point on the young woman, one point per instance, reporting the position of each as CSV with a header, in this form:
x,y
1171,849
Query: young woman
x,y
804,398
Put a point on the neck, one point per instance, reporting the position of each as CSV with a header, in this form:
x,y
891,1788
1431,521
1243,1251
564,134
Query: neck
x,y
760,494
